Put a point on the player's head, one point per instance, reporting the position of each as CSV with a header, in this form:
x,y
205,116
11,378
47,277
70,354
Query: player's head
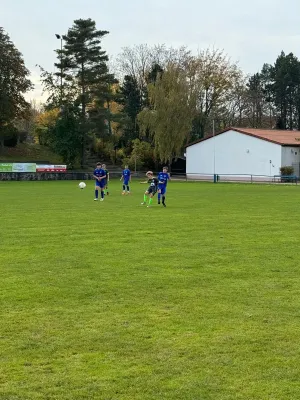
x,y
98,165
126,166
103,166
165,169
149,174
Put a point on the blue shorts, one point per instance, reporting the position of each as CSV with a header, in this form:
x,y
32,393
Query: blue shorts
x,y
126,182
101,184
162,189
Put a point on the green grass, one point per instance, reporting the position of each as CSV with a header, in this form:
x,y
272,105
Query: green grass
x,y
112,300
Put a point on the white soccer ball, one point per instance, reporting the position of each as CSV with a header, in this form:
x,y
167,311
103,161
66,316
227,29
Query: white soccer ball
x,y
82,185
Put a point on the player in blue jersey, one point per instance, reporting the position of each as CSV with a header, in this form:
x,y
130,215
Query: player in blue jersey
x,y
163,178
100,177
126,178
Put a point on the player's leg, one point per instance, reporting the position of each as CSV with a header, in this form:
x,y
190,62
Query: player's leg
x,y
106,190
145,197
151,198
124,187
158,196
96,191
163,193
102,187
128,188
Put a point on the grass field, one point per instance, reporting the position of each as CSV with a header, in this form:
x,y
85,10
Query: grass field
x,y
112,300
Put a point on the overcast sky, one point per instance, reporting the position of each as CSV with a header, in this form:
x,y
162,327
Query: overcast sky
x,y
251,32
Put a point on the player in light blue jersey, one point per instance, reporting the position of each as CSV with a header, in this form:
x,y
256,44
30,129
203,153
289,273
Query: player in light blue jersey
x,y
163,178
100,177
126,178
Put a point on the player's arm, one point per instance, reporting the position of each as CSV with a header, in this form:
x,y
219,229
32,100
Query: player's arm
x,y
108,177
96,177
148,181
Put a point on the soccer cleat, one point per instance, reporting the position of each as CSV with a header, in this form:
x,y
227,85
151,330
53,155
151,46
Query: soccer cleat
x,y
123,193
101,199
158,202
95,199
164,204
143,203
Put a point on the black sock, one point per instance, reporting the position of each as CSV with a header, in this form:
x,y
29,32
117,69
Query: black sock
x,y
163,199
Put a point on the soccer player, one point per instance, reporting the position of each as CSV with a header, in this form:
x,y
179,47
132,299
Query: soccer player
x,y
163,178
107,179
99,175
126,177
152,189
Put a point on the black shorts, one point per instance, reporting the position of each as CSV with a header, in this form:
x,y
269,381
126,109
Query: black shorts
x,y
152,190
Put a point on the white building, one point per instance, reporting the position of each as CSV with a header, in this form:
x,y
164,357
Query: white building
x,y
243,152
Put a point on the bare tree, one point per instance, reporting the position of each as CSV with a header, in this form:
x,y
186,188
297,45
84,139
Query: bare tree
x,y
137,61
214,77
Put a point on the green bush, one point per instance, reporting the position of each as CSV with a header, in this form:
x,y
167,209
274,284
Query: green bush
x,y
286,170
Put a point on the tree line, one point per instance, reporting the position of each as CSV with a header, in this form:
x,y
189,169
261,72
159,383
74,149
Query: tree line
x,y
146,105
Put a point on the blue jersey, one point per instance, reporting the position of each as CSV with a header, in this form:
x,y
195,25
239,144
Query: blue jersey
x,y
163,178
99,172
126,174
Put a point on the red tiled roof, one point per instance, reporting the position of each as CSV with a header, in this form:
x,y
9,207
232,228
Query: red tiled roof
x,y
282,137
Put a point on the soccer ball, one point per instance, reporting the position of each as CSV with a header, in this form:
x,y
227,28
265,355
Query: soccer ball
x,y
82,185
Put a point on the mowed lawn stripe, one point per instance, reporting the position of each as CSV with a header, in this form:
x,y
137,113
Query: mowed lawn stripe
x,y
116,301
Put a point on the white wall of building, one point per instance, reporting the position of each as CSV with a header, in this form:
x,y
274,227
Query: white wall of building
x,y
290,156
235,153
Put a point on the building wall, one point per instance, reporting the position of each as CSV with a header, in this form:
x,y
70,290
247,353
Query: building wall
x,y
235,153
290,156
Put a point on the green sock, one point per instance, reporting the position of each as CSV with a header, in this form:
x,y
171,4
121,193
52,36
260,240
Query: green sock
x,y
150,201
145,198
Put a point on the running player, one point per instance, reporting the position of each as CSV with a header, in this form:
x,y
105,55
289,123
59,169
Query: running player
x,y
163,178
126,177
152,189
107,179
99,175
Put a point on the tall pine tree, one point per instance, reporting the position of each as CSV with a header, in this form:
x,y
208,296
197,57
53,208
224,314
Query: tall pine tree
x,y
130,99
84,61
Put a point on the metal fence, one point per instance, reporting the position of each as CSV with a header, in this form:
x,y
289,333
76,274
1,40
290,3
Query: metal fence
x,y
189,177
242,178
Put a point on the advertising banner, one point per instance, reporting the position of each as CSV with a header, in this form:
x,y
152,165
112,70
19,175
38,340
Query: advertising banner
x,y
31,167
6,167
23,167
51,168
